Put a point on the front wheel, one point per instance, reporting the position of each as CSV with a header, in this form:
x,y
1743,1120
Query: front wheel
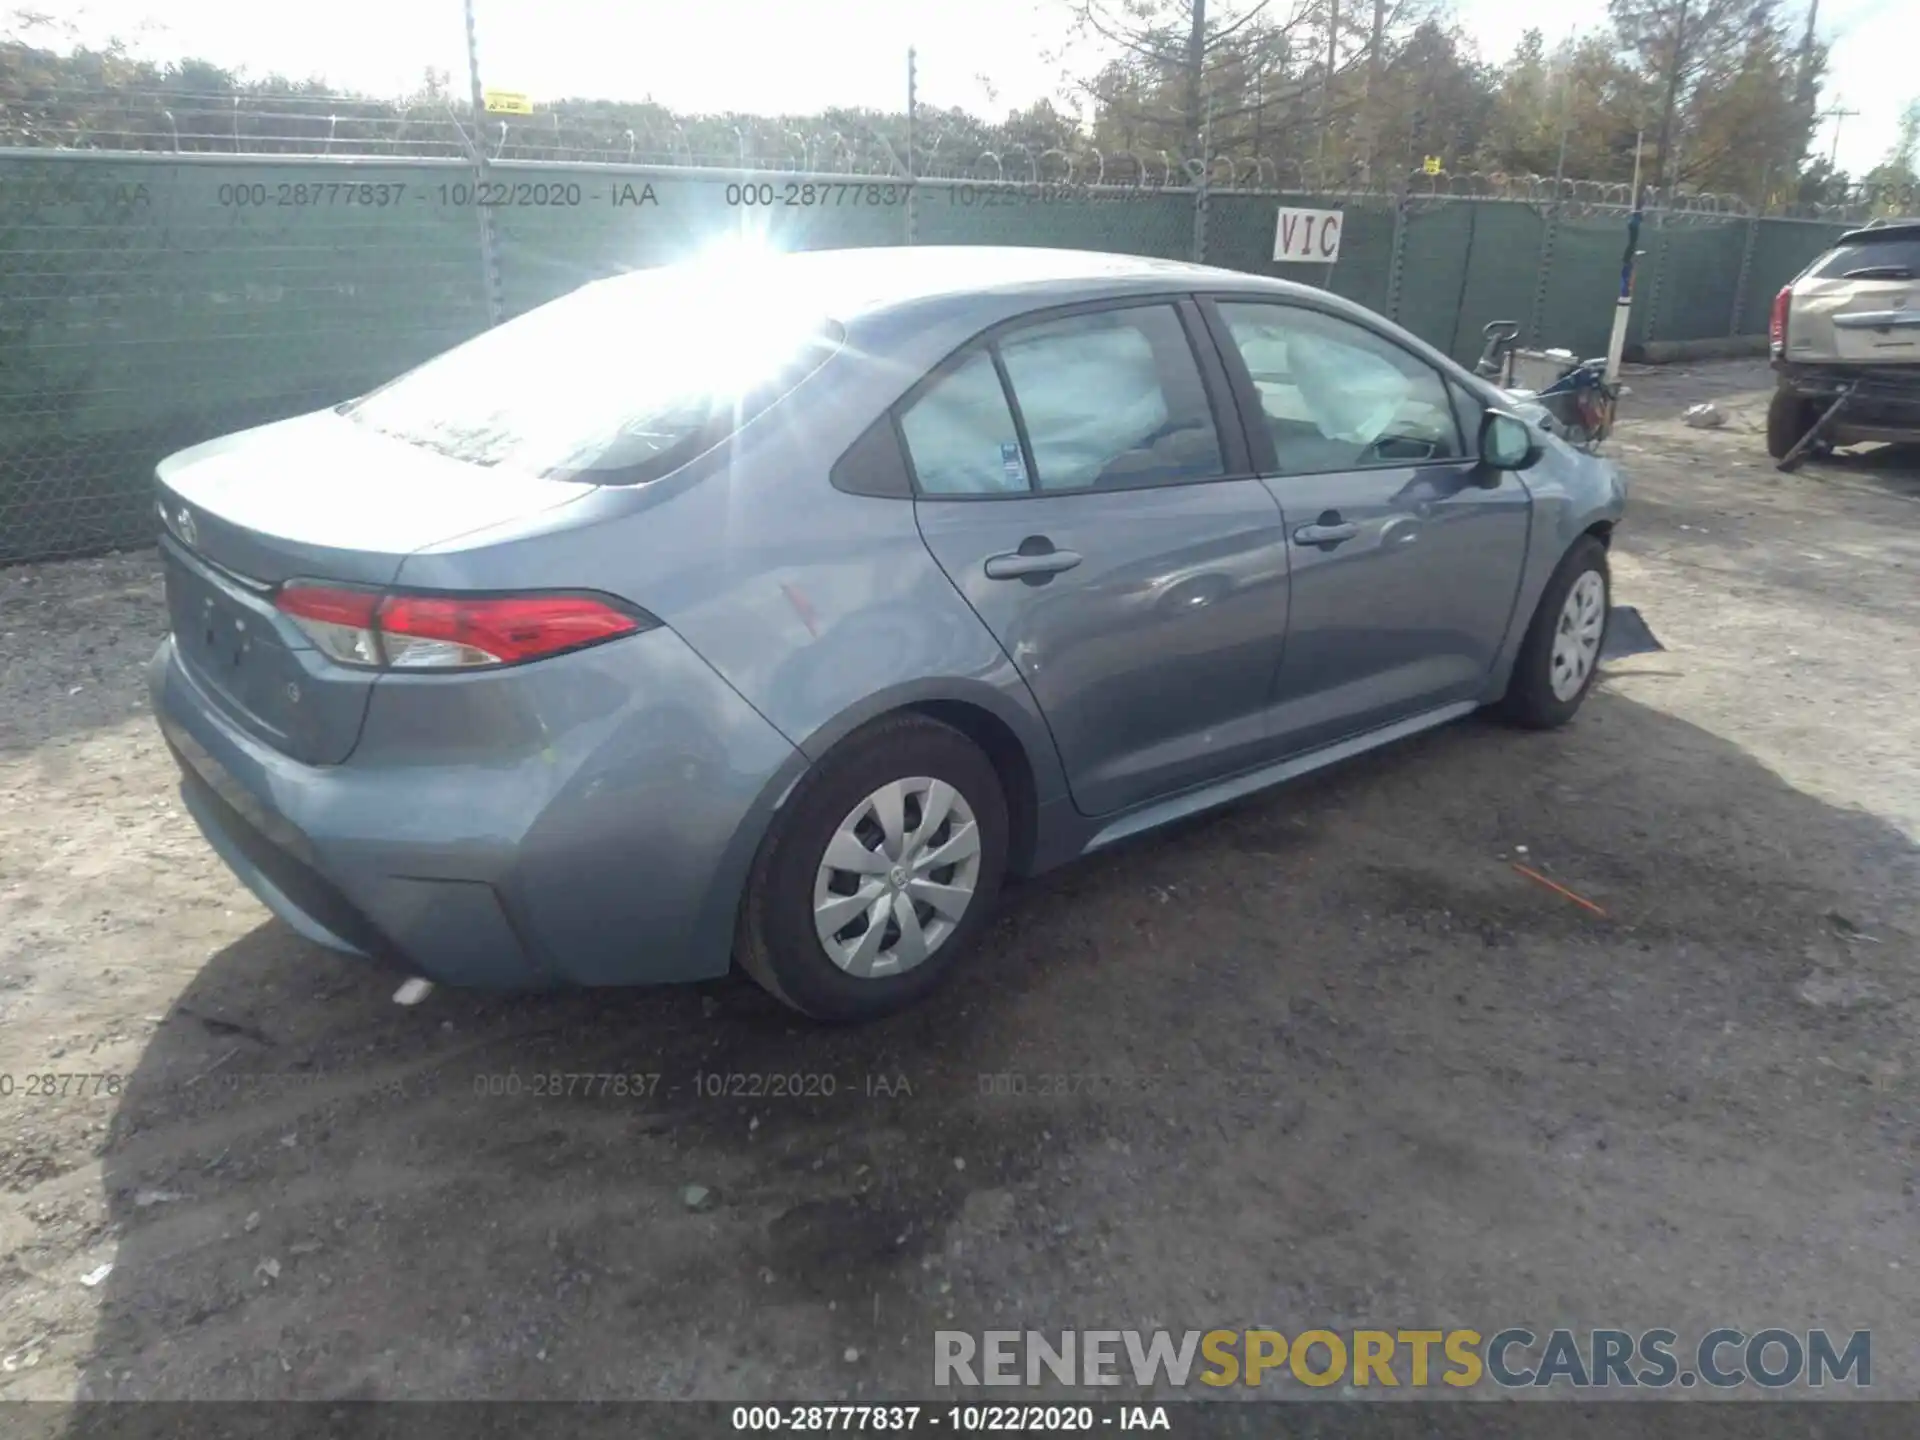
x,y
879,874
1560,656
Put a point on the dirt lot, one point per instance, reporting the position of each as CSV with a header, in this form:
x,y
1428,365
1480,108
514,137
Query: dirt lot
x,y
1373,1075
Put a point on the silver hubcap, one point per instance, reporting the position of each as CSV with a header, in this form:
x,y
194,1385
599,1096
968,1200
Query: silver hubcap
x,y
1576,639
898,874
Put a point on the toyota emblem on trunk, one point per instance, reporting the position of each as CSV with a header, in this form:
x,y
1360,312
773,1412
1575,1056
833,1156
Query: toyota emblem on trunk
x,y
183,522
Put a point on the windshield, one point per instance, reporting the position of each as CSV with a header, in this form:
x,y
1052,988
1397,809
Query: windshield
x,y
1895,258
617,383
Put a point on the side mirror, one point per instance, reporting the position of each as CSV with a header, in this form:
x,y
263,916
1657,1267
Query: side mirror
x,y
1507,442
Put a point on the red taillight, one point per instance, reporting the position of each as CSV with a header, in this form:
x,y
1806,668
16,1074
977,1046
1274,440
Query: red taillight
x,y
1777,326
339,621
328,605
438,632
429,630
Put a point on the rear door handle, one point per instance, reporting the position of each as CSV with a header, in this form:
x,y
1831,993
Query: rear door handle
x,y
1326,532
1031,561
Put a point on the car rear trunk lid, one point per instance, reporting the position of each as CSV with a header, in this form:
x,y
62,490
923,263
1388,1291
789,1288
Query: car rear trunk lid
x,y
320,498
1878,323
1860,304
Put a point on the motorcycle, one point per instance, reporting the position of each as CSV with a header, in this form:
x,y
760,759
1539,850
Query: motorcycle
x,y
1571,398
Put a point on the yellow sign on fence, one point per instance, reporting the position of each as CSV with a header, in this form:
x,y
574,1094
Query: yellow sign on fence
x,y
507,102
1431,165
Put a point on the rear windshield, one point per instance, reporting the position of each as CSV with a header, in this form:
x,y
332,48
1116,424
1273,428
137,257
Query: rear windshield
x,y
618,383
1880,258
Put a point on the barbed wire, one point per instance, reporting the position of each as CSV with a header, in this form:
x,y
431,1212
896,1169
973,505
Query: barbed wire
x,y
309,123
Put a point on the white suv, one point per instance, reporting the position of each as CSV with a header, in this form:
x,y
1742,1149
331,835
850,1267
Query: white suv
x,y
1850,318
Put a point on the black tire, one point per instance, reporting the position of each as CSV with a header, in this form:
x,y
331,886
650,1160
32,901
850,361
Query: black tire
x,y
1789,416
776,942
1530,701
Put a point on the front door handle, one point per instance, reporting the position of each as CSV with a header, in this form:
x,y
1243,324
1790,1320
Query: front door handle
x,y
1329,530
1034,561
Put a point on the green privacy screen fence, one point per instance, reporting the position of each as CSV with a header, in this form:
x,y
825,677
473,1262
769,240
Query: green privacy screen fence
x,y
148,302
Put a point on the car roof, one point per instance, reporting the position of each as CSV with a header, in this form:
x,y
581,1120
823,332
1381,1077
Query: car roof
x,y
908,307
1882,230
847,284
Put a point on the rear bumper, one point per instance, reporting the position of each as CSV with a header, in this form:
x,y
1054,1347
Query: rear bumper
x,y
589,821
1885,407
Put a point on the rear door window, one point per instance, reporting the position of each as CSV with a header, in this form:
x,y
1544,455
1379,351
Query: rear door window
x,y
960,434
1113,399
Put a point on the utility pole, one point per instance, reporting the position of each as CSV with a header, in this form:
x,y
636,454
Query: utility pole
x,y
1326,87
1196,65
1675,63
1201,184
489,261
1837,114
1566,129
1803,77
1806,99
1373,83
913,102
1259,112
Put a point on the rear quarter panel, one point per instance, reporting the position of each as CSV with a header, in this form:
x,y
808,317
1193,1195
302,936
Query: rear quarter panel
x,y
822,609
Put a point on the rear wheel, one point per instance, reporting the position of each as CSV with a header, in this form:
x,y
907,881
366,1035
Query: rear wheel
x,y
880,874
1789,416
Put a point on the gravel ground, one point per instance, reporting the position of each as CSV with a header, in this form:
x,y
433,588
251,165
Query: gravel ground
x,y
1334,1062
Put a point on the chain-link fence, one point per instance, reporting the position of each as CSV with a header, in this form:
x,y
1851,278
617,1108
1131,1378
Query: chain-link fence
x,y
285,120
150,299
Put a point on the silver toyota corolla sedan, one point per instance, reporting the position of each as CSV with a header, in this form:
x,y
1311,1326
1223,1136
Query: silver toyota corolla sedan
x,y
774,611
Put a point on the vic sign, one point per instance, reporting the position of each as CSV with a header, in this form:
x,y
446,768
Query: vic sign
x,y
1307,236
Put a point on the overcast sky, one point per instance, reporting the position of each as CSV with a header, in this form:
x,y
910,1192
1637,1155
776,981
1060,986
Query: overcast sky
x,y
801,55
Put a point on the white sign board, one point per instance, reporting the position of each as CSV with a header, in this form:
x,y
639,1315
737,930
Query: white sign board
x,y
1307,236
